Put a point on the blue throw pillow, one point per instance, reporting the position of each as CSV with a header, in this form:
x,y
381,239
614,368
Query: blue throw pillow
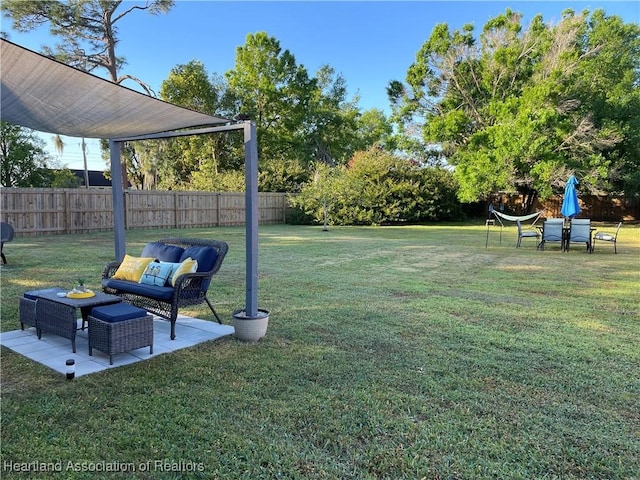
x,y
165,253
156,274
174,269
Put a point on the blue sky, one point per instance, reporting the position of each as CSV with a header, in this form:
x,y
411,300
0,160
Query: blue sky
x,y
368,42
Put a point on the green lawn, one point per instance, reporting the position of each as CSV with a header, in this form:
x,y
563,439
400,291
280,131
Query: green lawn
x,y
392,353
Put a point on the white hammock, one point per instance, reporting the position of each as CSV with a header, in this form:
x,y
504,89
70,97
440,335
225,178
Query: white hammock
x,y
511,218
522,218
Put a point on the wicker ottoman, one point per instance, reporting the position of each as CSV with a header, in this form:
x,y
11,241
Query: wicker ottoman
x,y
28,306
119,328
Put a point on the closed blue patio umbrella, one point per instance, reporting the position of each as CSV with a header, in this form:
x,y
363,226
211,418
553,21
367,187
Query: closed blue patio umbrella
x,y
570,205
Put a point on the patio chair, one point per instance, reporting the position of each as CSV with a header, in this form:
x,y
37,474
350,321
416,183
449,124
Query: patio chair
x,y
6,233
526,234
552,232
607,237
580,232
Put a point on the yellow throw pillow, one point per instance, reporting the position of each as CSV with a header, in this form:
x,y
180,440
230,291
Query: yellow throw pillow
x,y
132,268
189,265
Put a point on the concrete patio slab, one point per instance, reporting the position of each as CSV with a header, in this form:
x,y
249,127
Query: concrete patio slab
x,y
53,351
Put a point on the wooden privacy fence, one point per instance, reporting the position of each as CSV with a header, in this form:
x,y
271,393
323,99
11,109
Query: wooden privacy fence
x,y
597,208
46,211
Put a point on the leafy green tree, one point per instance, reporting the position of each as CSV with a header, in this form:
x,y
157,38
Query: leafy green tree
x,y
382,188
191,86
328,131
607,85
287,175
379,187
88,34
231,181
88,29
436,196
65,178
321,194
519,110
24,162
271,89
373,128
62,179
301,119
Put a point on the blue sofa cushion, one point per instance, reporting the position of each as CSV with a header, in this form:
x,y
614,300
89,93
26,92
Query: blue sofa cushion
x,y
117,312
165,253
34,294
152,291
206,257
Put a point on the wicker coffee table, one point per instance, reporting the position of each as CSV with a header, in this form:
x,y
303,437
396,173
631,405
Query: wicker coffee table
x,y
58,315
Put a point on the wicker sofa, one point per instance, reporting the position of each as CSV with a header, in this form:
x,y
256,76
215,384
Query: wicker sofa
x,y
188,289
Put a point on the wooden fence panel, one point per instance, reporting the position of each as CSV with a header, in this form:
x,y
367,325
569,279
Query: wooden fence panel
x,y
272,208
597,208
197,209
232,207
88,211
149,209
600,209
40,211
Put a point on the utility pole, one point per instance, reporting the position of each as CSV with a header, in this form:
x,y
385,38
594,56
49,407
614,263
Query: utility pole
x,y
84,157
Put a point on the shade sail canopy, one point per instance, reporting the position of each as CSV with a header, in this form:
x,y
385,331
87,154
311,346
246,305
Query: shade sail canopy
x,y
49,96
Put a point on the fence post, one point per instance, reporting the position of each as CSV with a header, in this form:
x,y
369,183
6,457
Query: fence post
x,y
67,212
218,221
176,210
284,208
127,213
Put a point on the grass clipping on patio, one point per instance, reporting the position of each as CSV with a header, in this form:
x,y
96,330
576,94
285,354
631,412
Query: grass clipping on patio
x,y
408,352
